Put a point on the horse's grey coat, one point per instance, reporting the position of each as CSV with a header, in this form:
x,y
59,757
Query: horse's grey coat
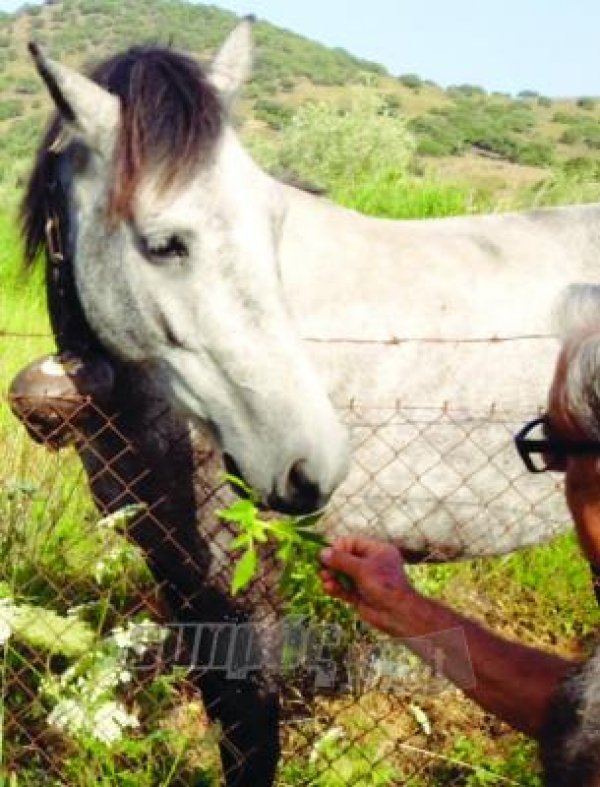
x,y
439,313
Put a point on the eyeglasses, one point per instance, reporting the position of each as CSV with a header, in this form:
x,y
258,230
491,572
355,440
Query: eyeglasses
x,y
540,450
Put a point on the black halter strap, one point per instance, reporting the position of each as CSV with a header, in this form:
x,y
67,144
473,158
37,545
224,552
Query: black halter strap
x,y
596,581
69,325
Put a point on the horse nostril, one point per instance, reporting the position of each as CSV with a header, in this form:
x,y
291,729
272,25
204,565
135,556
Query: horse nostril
x,y
303,495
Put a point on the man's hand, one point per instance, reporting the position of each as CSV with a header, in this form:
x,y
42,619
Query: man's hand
x,y
377,571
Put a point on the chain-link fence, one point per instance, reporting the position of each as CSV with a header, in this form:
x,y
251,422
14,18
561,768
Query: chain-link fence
x,y
116,615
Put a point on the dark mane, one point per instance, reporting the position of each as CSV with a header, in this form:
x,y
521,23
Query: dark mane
x,y
170,116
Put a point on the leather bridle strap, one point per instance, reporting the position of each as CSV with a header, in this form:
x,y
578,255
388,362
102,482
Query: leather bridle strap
x,y
596,581
69,325
53,238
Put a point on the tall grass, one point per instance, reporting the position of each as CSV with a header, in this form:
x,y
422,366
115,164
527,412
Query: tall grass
x,y
24,328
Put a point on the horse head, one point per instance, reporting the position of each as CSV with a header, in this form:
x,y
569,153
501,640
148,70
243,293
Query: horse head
x,y
172,234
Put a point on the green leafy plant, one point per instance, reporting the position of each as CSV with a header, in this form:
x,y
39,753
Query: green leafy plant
x,y
295,537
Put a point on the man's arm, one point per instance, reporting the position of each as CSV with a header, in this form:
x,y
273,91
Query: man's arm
x,y
512,681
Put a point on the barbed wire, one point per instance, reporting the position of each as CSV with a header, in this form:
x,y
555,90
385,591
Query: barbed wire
x,y
19,335
392,341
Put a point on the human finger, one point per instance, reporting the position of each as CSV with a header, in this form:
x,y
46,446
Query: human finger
x,y
333,588
339,560
359,546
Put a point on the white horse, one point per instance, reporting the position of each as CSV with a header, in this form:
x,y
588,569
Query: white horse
x,y
232,303
212,270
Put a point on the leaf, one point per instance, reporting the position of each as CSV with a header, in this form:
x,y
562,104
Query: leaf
x,y
421,718
120,519
44,629
245,571
285,580
239,542
282,529
308,521
247,490
314,538
242,511
284,553
259,531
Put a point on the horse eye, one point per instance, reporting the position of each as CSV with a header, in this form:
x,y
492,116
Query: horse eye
x,y
168,248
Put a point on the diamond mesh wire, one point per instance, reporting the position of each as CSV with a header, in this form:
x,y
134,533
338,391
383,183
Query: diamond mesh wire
x,y
76,588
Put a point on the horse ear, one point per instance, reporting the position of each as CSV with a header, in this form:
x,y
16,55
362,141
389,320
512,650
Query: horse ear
x,y
89,111
232,64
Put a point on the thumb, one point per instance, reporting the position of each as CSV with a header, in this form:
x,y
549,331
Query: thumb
x,y
341,561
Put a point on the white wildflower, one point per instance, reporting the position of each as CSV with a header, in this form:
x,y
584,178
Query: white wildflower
x,y
8,614
100,571
125,676
119,519
69,716
320,747
139,636
122,637
110,720
5,631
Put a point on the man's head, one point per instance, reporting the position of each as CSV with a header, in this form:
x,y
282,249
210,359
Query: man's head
x,y
574,408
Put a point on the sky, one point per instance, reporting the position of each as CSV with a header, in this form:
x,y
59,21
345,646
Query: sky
x,y
551,46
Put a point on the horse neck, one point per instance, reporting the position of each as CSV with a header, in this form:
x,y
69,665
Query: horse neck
x,y
324,243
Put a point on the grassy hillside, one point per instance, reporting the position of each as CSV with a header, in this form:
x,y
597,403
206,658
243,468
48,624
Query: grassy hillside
x,y
497,143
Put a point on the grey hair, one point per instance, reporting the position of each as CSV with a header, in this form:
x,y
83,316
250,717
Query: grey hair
x,y
576,319
576,310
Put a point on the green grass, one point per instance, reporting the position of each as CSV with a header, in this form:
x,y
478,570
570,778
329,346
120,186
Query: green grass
x,y
22,306
413,198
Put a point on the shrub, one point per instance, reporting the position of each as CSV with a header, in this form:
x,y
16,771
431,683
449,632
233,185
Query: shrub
x,y
569,137
275,115
391,104
488,126
527,94
436,136
582,168
286,85
467,90
535,154
586,103
411,81
336,146
563,117
435,147
544,101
